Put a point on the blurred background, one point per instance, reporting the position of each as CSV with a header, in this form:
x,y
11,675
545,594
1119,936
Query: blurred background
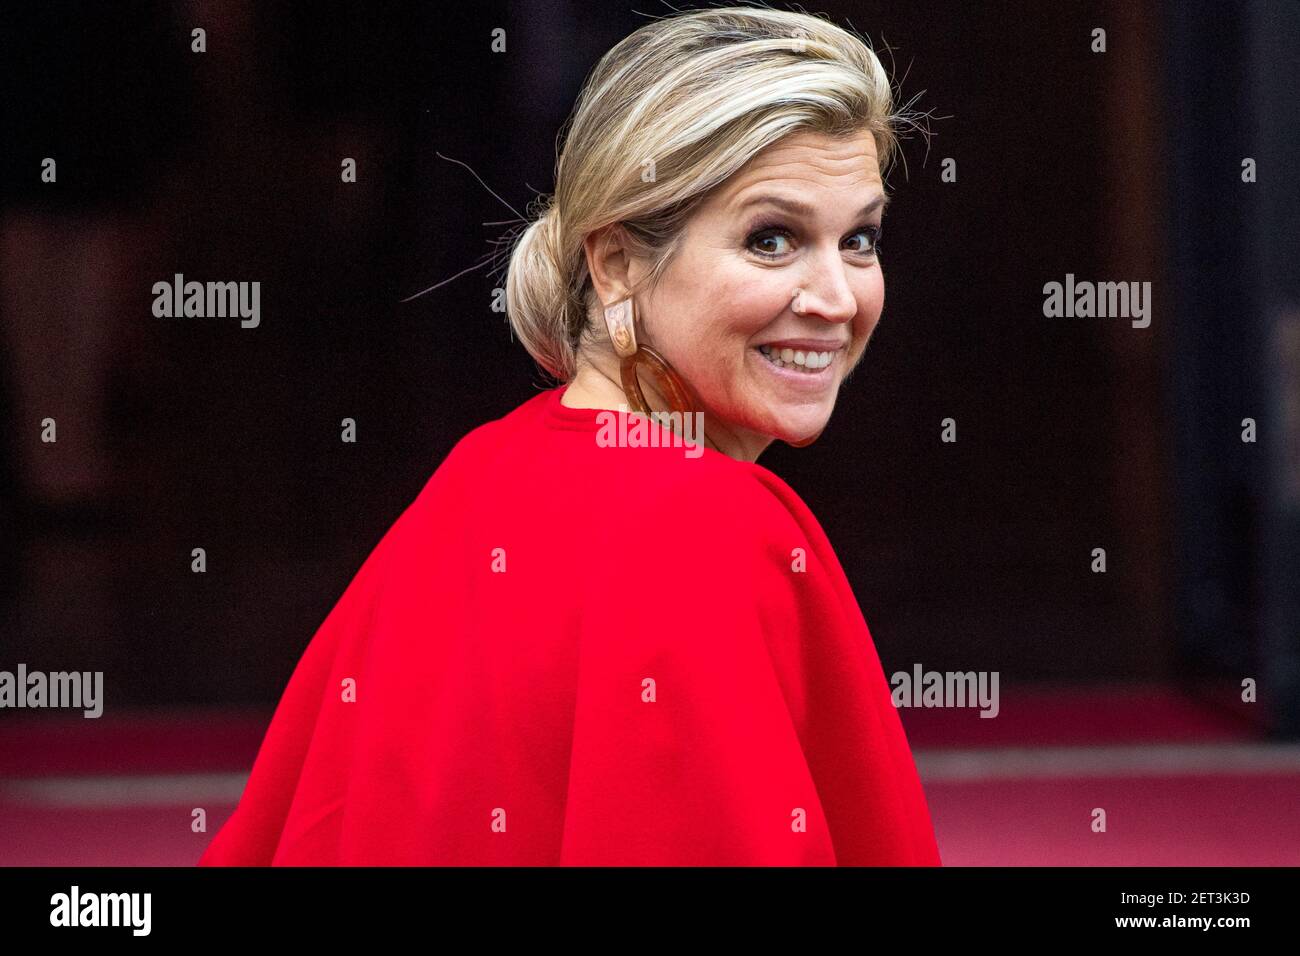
x,y
1121,690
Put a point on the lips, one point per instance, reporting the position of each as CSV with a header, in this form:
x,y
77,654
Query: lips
x,y
806,345
807,367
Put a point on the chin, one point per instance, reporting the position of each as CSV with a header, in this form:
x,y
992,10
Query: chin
x,y
798,427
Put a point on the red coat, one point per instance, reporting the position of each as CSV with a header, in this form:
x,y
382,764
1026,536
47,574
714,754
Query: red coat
x,y
566,653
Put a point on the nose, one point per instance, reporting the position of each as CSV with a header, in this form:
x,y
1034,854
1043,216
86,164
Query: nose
x,y
826,293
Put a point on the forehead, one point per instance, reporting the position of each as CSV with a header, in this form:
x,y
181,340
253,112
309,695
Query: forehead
x,y
808,161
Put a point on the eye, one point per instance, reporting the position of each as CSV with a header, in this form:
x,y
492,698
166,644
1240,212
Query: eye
x,y
770,235
873,239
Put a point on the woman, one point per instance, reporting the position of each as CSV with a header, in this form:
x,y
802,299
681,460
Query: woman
x,y
581,647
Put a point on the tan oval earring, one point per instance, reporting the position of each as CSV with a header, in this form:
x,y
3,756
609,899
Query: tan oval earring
x,y
620,322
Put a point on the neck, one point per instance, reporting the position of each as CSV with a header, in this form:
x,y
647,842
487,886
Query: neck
x,y
598,384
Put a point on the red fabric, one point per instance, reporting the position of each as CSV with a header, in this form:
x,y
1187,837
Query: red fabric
x,y
519,697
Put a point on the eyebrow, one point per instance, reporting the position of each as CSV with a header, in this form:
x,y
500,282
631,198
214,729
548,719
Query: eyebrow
x,y
796,207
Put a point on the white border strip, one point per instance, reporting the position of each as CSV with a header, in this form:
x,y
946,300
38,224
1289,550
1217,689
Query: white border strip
x,y
1158,760
194,789
935,766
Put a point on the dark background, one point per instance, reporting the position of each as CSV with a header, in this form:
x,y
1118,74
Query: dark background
x,y
1072,433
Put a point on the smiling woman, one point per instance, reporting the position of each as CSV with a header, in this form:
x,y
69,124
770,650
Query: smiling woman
x,y
577,650
751,165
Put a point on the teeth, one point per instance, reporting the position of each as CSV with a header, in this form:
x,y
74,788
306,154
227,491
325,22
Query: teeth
x,y
803,361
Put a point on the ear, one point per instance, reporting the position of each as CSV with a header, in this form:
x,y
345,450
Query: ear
x,y
609,263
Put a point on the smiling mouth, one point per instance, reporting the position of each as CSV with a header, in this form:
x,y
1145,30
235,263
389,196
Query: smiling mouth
x,y
796,360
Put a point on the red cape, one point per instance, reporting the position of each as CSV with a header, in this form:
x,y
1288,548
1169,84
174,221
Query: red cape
x,y
565,653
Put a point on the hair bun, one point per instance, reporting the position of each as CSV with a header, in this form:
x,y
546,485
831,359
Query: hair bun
x,y
538,299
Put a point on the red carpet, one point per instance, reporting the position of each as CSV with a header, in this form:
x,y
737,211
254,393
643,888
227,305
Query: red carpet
x,y
1179,784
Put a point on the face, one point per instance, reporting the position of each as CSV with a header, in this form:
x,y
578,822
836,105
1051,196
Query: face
x,y
805,213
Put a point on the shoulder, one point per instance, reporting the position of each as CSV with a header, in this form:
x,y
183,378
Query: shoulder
x,y
708,518
492,434
720,495
717,565
460,466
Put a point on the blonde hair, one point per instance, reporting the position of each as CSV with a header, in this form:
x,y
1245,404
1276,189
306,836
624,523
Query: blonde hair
x,y
688,99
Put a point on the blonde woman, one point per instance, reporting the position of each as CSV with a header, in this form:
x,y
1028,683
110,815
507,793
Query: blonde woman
x,y
603,634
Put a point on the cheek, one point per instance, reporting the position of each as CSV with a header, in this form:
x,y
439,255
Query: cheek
x,y
728,313
871,302
748,304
